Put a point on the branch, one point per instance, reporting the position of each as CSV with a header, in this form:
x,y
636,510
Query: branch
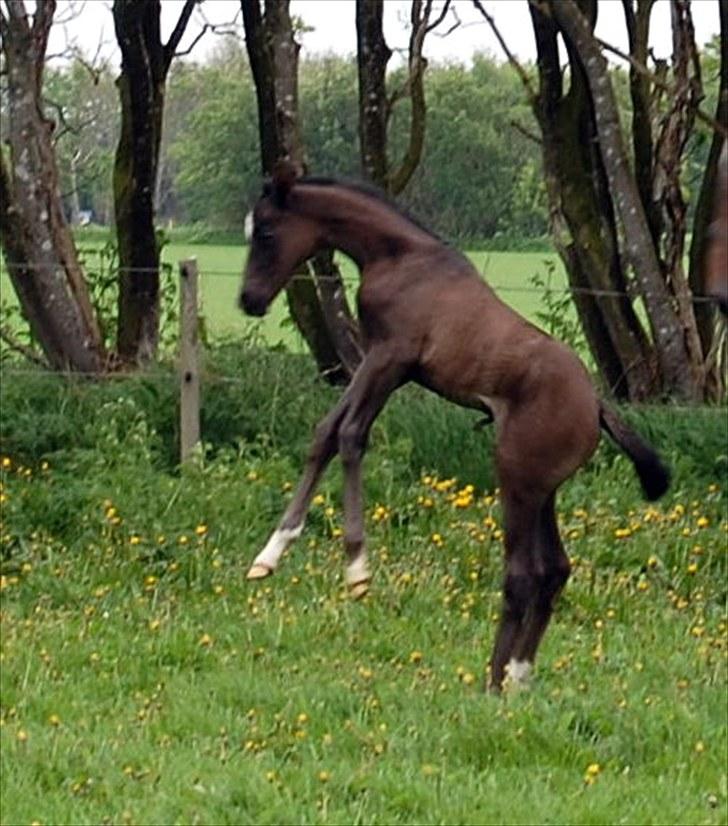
x,y
519,127
661,84
174,39
520,71
23,349
440,18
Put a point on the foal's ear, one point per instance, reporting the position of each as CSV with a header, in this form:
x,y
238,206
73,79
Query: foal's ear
x,y
285,173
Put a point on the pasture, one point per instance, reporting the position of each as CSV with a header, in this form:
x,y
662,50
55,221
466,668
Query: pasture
x,y
220,267
144,680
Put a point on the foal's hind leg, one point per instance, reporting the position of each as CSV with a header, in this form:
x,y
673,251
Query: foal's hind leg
x,y
522,512
553,569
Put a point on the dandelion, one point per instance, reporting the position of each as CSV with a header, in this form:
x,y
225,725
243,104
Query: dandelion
x,y
652,562
205,641
703,522
21,736
183,539
692,568
428,770
468,678
592,772
622,533
699,747
415,657
319,499
324,776
302,719
201,530
54,720
134,539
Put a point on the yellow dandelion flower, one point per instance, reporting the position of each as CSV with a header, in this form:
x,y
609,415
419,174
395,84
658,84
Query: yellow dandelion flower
x,y
415,657
21,736
468,678
134,539
622,533
436,539
699,747
205,641
692,568
54,720
324,776
703,522
201,529
319,499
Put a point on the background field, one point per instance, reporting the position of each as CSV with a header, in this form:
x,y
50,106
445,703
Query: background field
x,y
221,267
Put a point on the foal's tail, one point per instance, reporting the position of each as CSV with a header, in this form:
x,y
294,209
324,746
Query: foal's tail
x,y
653,474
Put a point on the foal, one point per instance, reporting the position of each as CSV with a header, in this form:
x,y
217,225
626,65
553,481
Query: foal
x,y
427,316
716,269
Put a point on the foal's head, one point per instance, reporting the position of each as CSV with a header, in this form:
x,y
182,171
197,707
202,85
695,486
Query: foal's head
x,y
280,239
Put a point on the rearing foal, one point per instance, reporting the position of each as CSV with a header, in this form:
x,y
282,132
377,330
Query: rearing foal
x,y
427,316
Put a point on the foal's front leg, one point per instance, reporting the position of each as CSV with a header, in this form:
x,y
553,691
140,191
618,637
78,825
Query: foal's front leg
x,y
345,427
323,449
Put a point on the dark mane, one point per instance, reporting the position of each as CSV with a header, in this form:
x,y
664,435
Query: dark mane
x,y
370,191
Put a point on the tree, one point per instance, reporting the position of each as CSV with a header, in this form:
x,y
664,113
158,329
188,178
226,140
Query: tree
x,y
376,105
36,241
316,296
145,62
620,233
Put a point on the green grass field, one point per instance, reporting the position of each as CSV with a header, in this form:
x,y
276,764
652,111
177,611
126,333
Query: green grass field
x,y
221,268
144,680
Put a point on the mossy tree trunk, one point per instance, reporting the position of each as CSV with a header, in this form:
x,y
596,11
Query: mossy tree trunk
x,y
145,62
35,237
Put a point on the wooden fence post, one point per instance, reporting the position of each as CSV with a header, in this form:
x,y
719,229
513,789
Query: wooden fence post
x,y
188,359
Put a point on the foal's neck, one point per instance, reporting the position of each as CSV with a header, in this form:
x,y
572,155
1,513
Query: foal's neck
x,y
360,224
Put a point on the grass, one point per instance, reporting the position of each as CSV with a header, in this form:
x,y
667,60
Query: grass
x,y
221,266
144,680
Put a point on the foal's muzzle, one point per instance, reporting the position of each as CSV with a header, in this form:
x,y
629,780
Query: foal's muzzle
x,y
252,304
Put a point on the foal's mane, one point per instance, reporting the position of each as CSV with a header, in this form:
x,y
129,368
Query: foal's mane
x,y
369,191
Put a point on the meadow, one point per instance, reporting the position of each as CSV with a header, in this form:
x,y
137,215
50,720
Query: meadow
x,y
220,267
144,680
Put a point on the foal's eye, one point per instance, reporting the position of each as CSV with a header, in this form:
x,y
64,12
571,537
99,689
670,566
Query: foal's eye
x,y
263,235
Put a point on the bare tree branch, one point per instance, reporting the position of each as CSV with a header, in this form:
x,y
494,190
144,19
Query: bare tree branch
x,y
520,71
662,85
171,47
532,136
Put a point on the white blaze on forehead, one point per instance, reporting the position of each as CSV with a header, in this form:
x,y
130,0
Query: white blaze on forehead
x,y
248,226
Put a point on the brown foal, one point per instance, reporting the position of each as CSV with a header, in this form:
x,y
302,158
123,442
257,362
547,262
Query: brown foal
x,y
427,316
716,262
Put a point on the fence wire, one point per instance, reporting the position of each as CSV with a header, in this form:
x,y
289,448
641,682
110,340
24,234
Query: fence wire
x,y
633,294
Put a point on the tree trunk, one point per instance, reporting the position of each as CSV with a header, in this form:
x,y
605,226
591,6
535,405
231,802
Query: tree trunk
x,y
372,55
144,67
375,105
704,313
583,223
36,241
315,295
671,330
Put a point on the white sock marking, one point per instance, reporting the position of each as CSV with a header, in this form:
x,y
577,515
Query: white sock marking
x,y
279,540
518,671
358,570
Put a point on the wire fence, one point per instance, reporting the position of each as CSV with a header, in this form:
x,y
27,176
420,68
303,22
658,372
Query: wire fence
x,y
633,293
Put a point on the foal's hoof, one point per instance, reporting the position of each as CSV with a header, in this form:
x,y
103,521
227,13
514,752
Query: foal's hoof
x,y
359,590
259,571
